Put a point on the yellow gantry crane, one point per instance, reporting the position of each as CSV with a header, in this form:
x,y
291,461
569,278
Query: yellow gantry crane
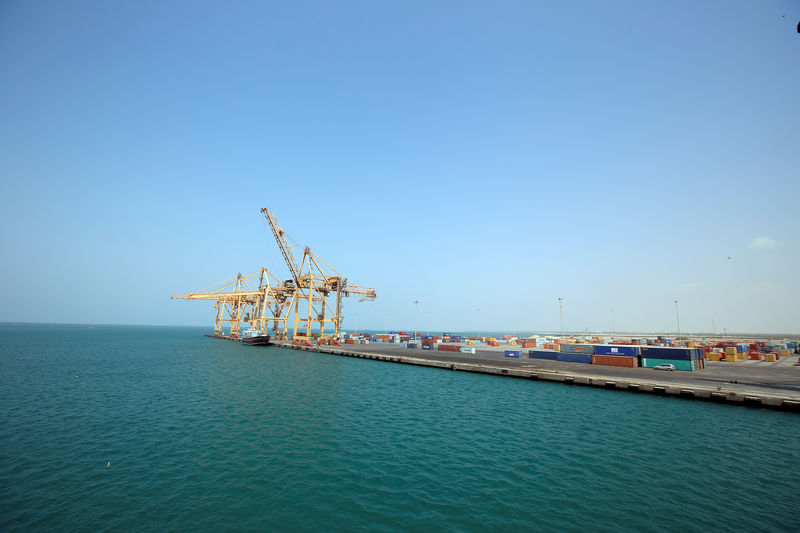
x,y
305,298
314,281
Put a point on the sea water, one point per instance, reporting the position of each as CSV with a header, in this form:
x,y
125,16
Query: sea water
x,y
156,428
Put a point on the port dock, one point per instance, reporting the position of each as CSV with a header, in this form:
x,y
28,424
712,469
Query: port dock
x,y
759,384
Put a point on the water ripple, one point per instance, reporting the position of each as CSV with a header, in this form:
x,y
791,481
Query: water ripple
x,y
203,435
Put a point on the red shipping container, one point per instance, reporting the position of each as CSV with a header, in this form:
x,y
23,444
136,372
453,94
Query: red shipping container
x,y
428,343
448,347
349,341
615,360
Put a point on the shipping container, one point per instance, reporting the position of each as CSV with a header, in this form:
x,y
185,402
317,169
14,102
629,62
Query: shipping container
x,y
465,349
680,364
615,360
683,354
427,346
412,345
542,354
575,358
610,349
448,347
513,353
587,349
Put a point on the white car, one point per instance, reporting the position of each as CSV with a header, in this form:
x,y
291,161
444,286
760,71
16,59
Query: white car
x,y
664,366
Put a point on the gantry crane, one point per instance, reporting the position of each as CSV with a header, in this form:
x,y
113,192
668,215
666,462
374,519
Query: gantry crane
x,y
314,280
238,302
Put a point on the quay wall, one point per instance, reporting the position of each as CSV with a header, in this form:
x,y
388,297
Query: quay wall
x,y
692,392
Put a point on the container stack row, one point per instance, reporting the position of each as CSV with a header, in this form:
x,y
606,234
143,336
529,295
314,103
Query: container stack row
x,y
631,356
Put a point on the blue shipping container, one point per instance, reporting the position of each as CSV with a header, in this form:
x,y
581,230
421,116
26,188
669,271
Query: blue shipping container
x,y
411,345
543,354
610,349
512,353
575,358
682,354
427,346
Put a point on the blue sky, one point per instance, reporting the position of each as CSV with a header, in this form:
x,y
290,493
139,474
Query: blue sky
x,y
469,155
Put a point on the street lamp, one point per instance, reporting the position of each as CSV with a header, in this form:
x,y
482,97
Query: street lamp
x,y
479,324
678,318
416,308
561,312
428,322
385,321
613,325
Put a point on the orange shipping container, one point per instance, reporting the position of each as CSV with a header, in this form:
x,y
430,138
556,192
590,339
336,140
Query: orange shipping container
x,y
615,360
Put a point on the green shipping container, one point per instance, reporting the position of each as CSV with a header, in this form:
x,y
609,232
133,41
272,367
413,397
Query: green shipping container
x,y
679,364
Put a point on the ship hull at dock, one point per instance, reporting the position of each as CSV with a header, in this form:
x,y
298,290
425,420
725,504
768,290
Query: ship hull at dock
x,y
260,340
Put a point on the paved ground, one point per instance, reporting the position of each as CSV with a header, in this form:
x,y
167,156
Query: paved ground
x,y
758,376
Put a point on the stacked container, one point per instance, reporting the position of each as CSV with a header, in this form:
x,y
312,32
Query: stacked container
x,y
611,355
688,359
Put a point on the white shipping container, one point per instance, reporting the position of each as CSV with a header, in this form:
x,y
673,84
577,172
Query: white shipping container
x,y
466,349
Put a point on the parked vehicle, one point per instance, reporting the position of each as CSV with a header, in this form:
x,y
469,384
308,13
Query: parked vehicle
x,y
664,366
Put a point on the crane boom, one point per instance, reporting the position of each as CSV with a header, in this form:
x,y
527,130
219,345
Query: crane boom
x,y
283,244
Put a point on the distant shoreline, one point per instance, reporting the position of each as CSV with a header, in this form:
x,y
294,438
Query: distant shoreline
x,y
466,333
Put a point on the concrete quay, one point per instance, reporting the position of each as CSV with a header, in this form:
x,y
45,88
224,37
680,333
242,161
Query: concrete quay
x,y
745,383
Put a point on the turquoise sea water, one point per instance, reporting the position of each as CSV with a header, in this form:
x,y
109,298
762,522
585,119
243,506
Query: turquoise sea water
x,y
145,428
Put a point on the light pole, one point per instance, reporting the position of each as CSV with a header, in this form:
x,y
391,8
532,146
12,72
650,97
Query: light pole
x,y
479,324
613,325
416,308
561,313
385,321
428,322
678,318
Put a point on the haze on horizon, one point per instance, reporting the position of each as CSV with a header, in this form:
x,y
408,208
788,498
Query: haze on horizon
x,y
492,156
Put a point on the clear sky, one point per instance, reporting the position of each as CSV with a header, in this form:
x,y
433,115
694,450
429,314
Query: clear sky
x,y
469,155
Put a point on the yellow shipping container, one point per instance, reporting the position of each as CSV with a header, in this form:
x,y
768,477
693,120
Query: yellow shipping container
x,y
730,350
770,357
785,353
731,359
512,343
